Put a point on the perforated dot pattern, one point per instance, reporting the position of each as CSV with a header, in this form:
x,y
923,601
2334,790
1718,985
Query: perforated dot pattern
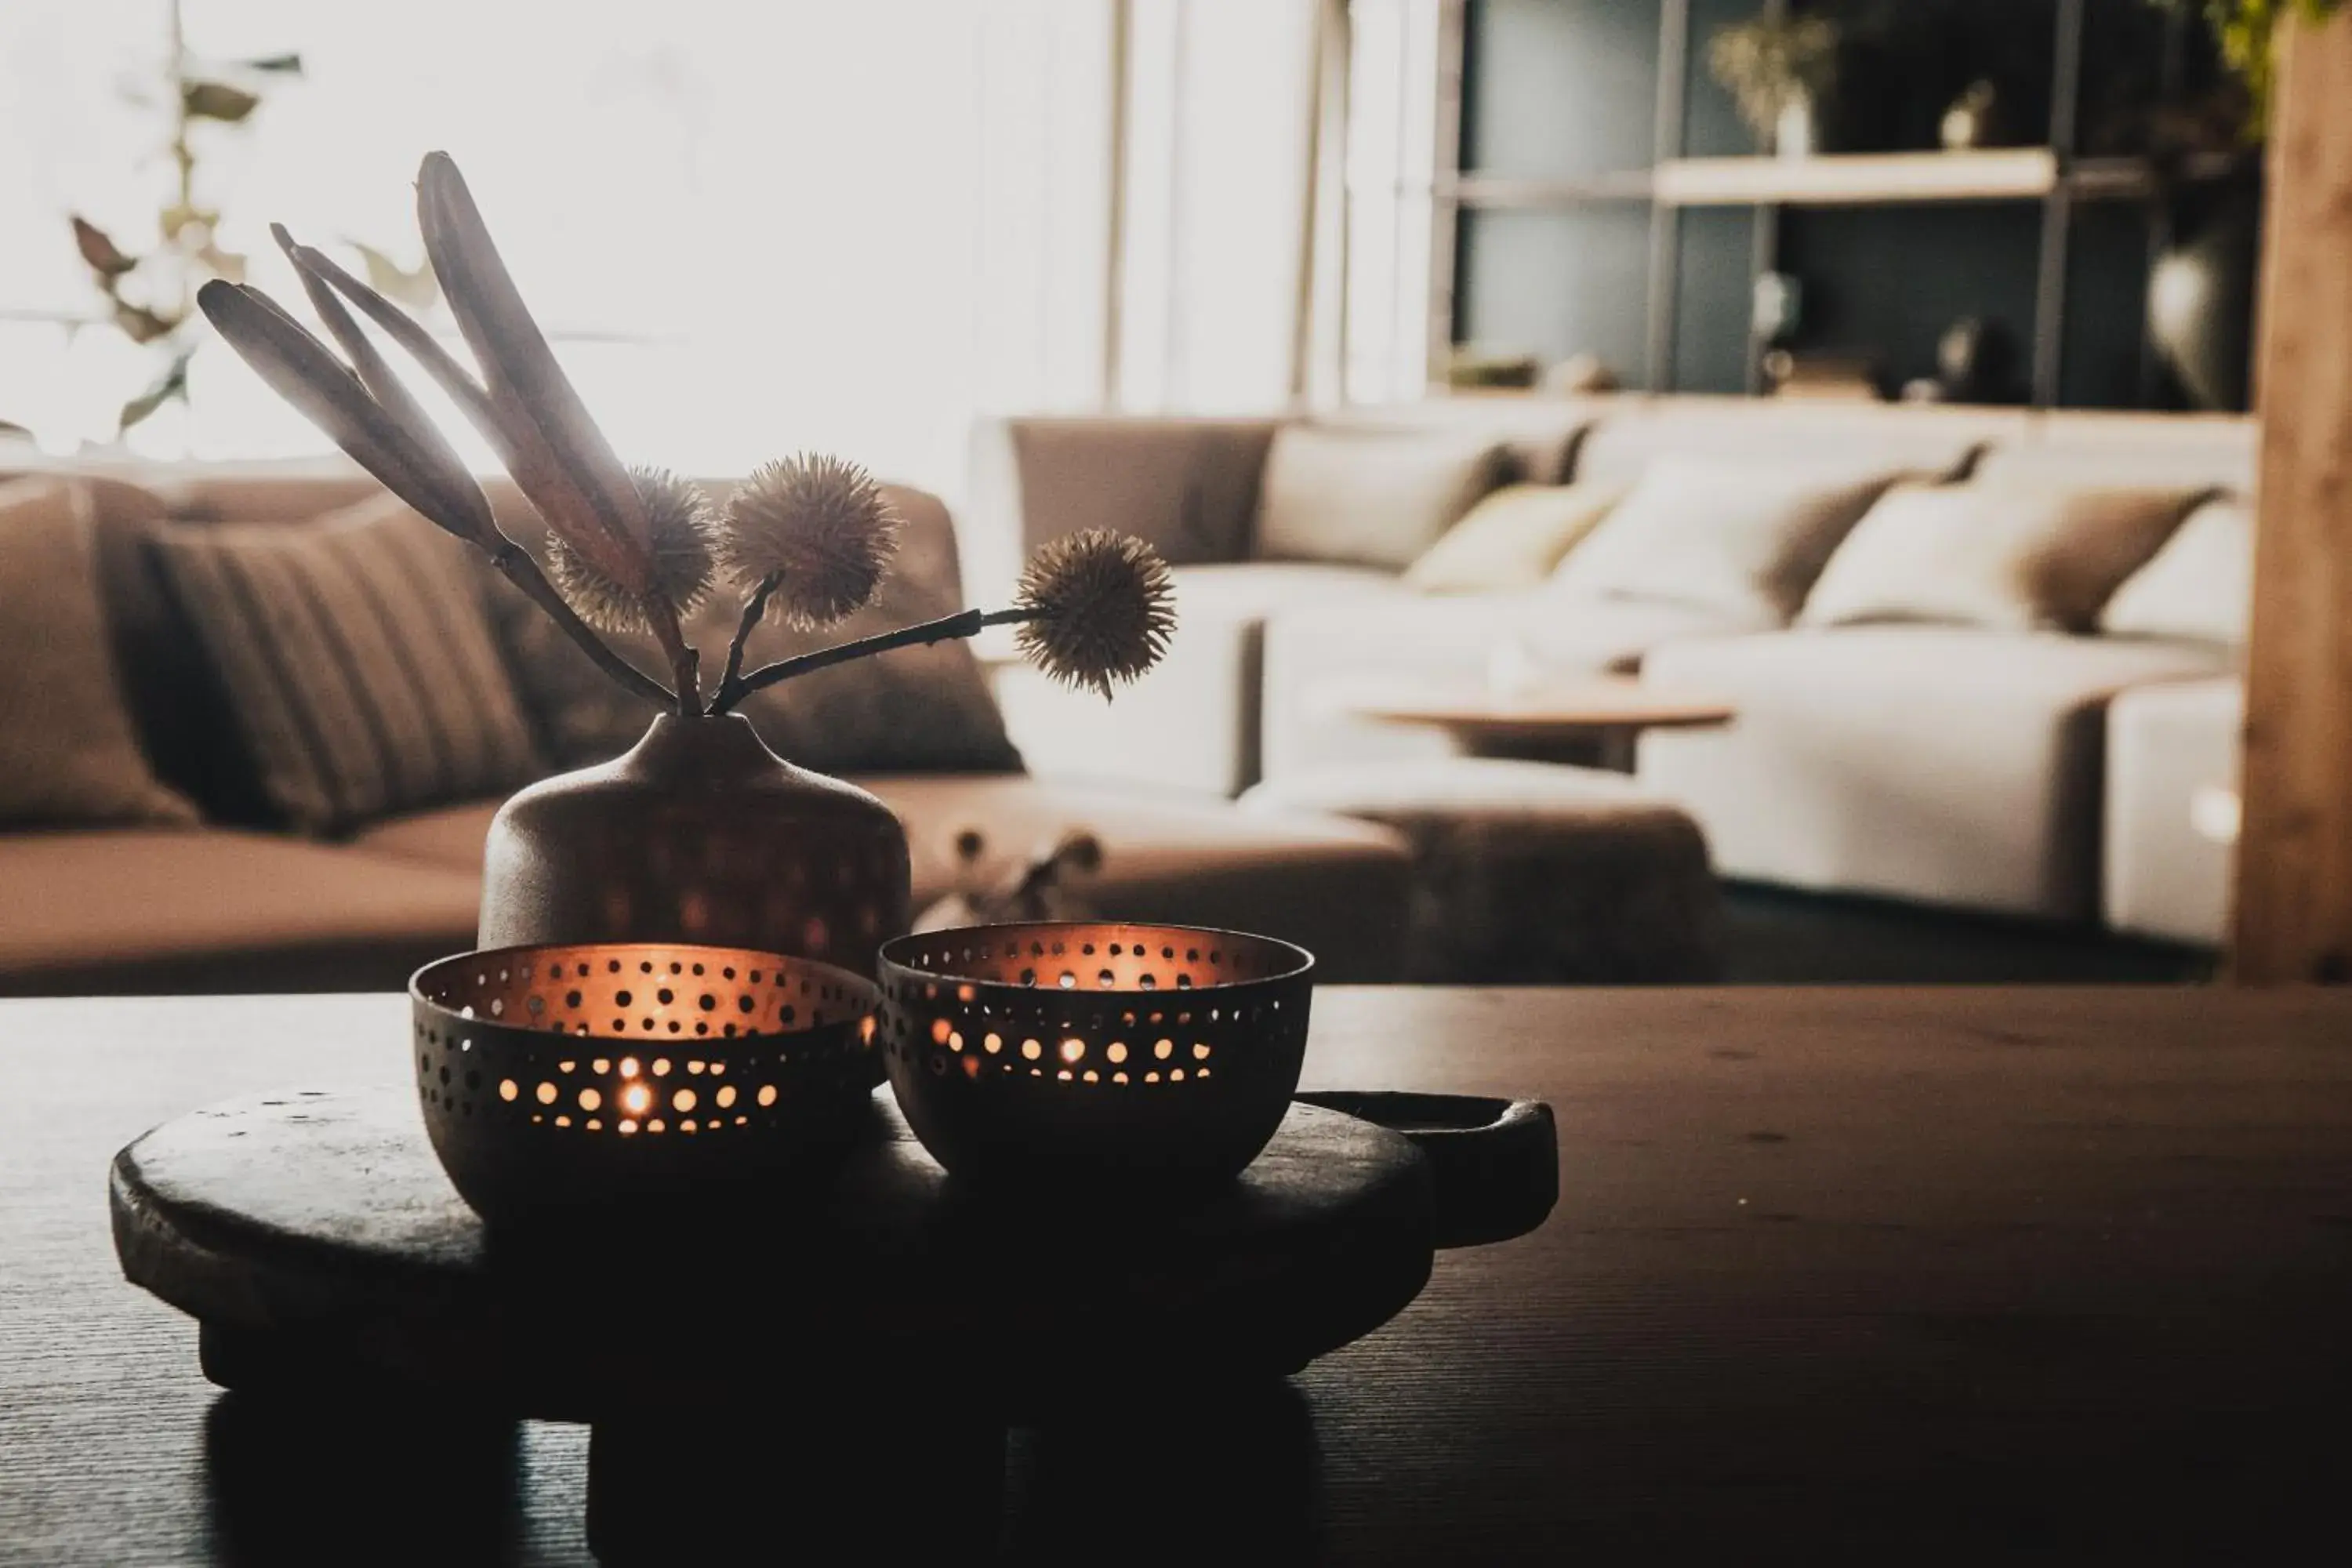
x,y
1073,1044
608,1050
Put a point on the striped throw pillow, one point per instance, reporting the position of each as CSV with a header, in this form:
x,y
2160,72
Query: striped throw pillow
x,y
356,652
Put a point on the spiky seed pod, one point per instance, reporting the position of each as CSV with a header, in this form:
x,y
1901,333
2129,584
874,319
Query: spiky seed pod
x,y
820,527
684,536
1102,607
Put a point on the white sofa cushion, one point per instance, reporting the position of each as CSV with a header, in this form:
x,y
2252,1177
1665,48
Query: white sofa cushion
x,y
1513,539
2012,557
1742,537
1937,765
2170,748
1369,496
2199,586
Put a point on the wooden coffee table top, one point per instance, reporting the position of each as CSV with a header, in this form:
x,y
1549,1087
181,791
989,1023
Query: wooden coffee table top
x,y
1589,702
1537,720
1957,1275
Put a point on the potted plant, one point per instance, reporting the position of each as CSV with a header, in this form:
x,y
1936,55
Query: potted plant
x,y
1780,71
699,833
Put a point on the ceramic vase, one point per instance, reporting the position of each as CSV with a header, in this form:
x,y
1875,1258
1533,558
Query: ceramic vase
x,y
699,834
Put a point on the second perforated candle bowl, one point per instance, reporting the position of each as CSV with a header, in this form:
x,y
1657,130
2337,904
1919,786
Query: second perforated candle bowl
x,y
1085,1055
567,1082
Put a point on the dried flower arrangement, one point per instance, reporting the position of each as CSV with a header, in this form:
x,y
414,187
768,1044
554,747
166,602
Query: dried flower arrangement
x,y
1771,63
808,540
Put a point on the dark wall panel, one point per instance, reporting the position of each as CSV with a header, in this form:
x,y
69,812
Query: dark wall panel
x,y
1888,281
1712,301
1905,61
1558,283
2106,303
1560,89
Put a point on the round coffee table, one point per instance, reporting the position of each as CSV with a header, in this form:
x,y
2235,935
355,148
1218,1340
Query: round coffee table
x,y
1590,720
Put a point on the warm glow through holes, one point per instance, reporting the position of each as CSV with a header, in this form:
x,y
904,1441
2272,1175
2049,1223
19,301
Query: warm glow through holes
x,y
508,1089
682,1101
546,1093
767,1094
726,1096
1116,1051
1031,1050
636,1098
1073,1048
590,1099
1163,1049
628,1067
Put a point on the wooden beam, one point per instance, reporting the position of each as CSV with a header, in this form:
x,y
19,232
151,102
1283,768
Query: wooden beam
x,y
2293,919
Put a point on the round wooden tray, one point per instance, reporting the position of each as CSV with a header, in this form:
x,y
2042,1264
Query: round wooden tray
x,y
339,1282
314,1236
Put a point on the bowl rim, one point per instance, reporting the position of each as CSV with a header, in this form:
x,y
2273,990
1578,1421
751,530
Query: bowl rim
x,y
868,992
885,958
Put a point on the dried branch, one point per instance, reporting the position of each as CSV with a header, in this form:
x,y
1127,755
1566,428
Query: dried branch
x,y
755,607
962,624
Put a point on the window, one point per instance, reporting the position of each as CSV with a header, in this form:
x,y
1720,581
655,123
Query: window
x,y
748,228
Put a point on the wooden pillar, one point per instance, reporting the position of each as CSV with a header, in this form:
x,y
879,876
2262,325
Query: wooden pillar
x,y
2293,918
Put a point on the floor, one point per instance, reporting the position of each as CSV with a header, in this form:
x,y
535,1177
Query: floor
x,y
1776,937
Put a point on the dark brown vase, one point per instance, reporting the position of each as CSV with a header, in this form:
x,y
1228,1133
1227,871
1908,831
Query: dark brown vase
x,y
698,834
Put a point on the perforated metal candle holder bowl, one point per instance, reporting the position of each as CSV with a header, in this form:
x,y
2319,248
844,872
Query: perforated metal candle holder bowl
x,y
573,1079
1127,1054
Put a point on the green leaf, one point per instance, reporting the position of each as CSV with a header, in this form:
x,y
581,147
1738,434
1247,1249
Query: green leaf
x,y
217,101
282,65
172,385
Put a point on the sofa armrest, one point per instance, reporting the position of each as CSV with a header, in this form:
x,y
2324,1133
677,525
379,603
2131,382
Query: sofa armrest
x,y
1188,486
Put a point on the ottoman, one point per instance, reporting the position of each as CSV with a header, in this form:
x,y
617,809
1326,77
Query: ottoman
x,y
1531,873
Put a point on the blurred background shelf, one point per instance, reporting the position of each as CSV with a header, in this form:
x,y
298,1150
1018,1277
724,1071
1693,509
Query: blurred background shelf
x,y
1598,196
1860,178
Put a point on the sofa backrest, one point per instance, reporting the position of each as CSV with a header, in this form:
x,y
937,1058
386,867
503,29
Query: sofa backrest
x,y
1541,434
1934,441
182,719
2136,449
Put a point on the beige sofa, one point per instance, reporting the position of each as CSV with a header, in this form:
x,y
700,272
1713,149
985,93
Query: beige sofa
x,y
2173,757
234,906
1927,763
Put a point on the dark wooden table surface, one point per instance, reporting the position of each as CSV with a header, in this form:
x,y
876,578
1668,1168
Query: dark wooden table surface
x,y
1910,1275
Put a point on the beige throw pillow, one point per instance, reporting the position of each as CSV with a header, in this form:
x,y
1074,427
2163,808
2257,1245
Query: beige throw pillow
x,y
1513,539
69,752
1744,536
2200,588
2008,556
1370,497
357,656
